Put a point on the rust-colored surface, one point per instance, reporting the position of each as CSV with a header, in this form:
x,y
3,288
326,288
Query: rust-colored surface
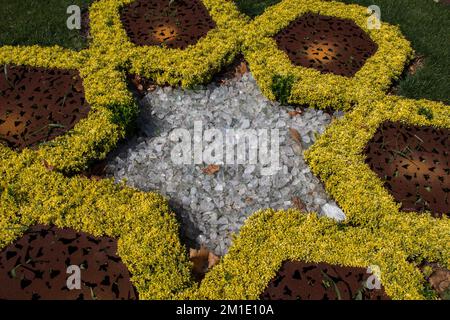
x,y
328,44
414,162
37,105
173,23
310,281
34,267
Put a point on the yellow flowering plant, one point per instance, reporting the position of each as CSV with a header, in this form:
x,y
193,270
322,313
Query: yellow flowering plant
x,y
311,87
34,187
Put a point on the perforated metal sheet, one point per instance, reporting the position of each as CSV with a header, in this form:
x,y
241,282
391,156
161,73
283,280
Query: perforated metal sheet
x,y
308,281
328,44
34,267
37,105
176,24
414,162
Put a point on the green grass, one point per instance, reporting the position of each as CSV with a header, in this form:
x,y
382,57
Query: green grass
x,y
425,23
254,8
29,22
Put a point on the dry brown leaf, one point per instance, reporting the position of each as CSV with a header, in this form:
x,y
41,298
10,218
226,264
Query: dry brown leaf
x,y
242,69
440,280
78,87
417,64
295,135
212,260
47,165
203,260
199,258
151,88
140,87
298,204
211,169
294,113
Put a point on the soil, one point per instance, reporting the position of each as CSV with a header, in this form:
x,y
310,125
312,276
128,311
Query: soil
x,y
414,163
34,267
309,281
37,105
170,23
96,170
327,44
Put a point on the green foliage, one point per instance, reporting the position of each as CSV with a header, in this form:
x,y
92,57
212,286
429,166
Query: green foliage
x,y
282,87
428,292
254,8
446,294
427,113
30,22
426,24
375,232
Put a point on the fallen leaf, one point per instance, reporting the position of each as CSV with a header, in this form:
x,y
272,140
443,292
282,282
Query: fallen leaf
x,y
242,68
211,169
203,260
295,135
294,113
249,200
47,165
200,259
78,87
212,260
440,280
417,64
140,87
298,204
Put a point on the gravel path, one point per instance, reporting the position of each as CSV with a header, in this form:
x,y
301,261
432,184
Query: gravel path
x,y
214,201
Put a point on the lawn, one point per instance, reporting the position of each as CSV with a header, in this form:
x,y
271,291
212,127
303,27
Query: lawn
x,y
425,23
29,22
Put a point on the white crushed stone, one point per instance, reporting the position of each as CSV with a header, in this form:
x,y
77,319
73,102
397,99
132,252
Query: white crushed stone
x,y
213,207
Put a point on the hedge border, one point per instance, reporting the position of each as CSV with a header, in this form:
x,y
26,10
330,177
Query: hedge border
x,y
310,86
269,238
147,231
191,66
93,137
342,168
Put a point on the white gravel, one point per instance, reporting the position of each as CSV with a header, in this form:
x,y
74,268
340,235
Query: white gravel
x,y
213,207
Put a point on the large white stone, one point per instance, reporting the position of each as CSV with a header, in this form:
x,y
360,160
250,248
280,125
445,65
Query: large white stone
x,y
333,211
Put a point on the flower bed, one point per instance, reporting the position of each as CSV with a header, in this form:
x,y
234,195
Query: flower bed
x,y
36,266
327,44
38,105
270,238
413,163
35,190
308,86
297,280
